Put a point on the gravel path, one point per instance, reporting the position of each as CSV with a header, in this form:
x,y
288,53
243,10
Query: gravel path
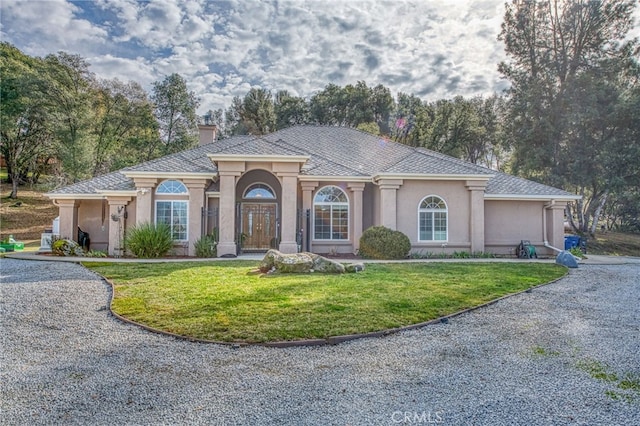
x,y
527,360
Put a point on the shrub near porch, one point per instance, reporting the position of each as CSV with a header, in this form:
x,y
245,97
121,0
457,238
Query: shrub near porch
x,y
224,301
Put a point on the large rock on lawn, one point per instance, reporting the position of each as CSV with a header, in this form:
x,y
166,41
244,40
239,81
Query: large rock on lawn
x,y
324,265
567,259
299,263
294,263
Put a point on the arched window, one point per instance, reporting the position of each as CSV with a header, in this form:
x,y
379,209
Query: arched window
x,y
259,190
331,214
432,219
172,187
174,213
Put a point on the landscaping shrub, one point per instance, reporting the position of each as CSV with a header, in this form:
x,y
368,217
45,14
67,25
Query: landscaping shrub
x,y
206,246
65,247
379,242
147,240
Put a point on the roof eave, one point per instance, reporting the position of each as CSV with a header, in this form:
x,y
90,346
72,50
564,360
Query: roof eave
x,y
169,175
261,158
531,197
432,176
333,178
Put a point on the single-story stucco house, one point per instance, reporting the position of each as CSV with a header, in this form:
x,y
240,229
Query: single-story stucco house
x,y
314,188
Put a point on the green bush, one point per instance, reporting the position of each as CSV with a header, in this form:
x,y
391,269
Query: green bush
x,y
206,246
65,247
147,240
577,252
379,242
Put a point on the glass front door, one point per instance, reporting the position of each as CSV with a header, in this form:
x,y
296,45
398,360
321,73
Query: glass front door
x,y
258,226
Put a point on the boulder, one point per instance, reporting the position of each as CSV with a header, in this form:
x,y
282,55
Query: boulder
x,y
299,263
269,260
565,258
354,267
294,263
324,265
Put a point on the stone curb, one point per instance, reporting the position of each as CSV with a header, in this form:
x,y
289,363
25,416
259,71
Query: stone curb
x,y
333,340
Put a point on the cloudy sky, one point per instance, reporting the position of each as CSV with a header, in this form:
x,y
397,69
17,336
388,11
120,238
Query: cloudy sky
x,y
432,48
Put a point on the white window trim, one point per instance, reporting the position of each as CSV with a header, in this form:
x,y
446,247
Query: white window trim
x,y
446,211
186,192
331,204
173,201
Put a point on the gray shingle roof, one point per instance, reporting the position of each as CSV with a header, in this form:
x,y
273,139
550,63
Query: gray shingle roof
x,y
114,181
332,151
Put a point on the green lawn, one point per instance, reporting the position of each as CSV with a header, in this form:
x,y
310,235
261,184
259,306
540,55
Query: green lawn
x,y
224,301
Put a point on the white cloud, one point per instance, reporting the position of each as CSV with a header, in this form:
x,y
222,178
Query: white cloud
x,y
43,27
431,48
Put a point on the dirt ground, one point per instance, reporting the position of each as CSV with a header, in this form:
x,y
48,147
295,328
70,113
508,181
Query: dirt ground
x,y
25,217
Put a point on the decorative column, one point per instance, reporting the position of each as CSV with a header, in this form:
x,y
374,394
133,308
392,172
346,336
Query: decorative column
x,y
388,201
196,204
227,213
356,189
288,243
307,204
68,212
476,214
144,198
117,224
555,224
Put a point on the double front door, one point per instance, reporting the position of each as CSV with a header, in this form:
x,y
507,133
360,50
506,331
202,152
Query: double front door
x,y
258,226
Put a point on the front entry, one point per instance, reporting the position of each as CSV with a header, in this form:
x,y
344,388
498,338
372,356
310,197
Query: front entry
x,y
258,226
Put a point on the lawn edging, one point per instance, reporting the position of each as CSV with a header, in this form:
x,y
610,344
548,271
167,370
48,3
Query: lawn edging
x,y
332,340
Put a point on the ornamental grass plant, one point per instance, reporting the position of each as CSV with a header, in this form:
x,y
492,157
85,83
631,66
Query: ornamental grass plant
x,y
149,241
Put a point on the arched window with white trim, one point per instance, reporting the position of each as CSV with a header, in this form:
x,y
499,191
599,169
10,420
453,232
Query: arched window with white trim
x,y
331,214
172,187
174,213
432,219
259,191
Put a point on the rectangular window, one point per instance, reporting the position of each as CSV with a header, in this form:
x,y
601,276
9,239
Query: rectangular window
x,y
433,226
340,220
331,222
426,227
174,214
322,222
440,226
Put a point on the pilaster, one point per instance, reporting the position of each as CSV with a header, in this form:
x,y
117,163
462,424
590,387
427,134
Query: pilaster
x,y
144,198
117,224
196,204
476,214
356,189
68,212
388,202
288,243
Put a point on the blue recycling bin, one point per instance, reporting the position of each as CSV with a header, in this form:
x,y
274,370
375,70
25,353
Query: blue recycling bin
x,y
571,241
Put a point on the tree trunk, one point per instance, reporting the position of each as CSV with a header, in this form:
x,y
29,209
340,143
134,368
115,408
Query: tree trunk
x,y
569,212
14,188
596,214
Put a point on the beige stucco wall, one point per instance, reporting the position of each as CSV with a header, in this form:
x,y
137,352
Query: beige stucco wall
x,y
455,195
509,222
92,220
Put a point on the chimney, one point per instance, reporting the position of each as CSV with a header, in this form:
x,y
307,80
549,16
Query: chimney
x,y
207,133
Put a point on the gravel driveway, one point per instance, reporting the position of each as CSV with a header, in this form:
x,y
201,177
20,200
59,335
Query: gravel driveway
x,y
528,360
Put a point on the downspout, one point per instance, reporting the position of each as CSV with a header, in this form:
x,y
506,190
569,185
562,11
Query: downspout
x,y
544,226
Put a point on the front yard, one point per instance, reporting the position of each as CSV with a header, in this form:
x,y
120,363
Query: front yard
x,y
225,301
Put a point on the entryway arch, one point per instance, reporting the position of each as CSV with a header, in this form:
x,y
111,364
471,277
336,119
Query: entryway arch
x,y
258,197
